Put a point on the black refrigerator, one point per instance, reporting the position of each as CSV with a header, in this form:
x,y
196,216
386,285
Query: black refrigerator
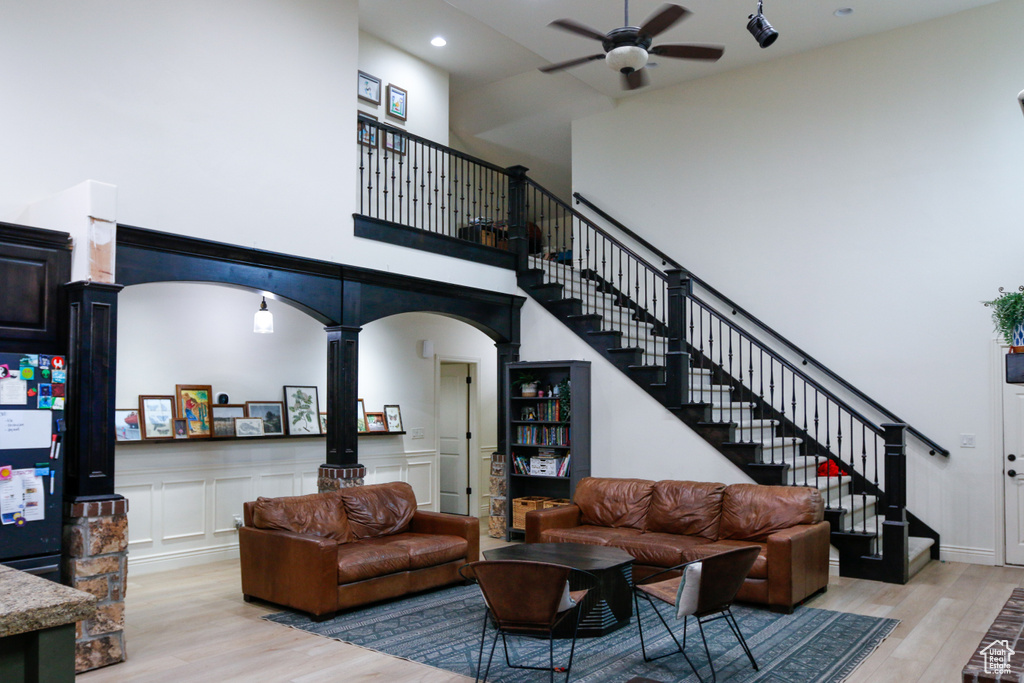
x,y
33,392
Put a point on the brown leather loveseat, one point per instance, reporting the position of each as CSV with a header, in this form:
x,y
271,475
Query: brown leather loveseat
x,y
330,551
666,523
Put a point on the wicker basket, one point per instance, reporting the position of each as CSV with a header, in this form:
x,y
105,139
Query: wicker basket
x,y
520,506
556,503
496,526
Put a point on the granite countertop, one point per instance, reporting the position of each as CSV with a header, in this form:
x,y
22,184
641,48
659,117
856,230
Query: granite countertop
x,y
29,603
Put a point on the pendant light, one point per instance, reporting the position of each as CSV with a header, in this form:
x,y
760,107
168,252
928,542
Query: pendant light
x,y
263,321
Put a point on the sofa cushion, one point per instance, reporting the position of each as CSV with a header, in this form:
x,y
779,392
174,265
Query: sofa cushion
x,y
428,550
690,508
591,535
379,509
371,558
613,502
318,514
751,512
658,549
760,568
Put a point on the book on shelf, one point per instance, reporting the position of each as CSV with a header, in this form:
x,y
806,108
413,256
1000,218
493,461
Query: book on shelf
x,y
543,435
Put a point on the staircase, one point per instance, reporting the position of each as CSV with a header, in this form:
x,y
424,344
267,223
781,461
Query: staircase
x,y
745,400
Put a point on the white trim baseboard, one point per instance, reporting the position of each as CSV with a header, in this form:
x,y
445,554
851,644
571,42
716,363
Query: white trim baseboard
x,y
953,553
150,564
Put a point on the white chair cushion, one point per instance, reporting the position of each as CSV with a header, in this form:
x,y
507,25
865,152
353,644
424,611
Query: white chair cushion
x,y
689,590
566,602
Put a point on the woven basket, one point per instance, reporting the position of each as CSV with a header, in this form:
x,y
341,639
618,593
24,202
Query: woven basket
x,y
556,503
520,506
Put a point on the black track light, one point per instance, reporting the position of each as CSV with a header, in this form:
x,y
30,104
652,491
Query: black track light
x,y
759,27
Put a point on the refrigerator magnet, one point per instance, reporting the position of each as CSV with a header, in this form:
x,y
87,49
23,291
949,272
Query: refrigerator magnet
x,y
45,389
6,472
58,403
57,362
58,390
44,374
5,372
59,376
28,372
30,360
44,361
46,403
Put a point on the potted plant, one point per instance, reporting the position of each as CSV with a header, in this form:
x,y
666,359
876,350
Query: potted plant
x,y
527,383
1008,316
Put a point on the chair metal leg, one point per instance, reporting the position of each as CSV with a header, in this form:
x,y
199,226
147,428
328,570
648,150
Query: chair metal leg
x,y
731,620
483,638
707,651
670,633
551,655
494,644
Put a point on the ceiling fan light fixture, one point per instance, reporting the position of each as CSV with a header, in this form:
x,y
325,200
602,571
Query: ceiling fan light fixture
x,y
626,58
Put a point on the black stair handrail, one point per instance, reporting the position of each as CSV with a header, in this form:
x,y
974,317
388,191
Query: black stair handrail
x,y
807,358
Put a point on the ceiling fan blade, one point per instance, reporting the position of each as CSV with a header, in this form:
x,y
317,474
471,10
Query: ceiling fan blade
x,y
663,19
571,63
634,80
710,53
574,27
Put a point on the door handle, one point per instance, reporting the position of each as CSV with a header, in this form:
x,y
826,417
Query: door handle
x,y
1011,473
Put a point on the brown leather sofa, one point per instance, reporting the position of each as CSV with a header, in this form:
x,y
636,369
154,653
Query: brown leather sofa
x,y
330,551
666,523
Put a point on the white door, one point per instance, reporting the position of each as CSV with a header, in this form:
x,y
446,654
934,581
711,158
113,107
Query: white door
x,y
453,436
1013,470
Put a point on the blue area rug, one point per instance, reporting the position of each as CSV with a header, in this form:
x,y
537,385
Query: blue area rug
x,y
442,629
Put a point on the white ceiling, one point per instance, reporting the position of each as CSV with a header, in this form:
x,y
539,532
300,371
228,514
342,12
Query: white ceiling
x,y
498,43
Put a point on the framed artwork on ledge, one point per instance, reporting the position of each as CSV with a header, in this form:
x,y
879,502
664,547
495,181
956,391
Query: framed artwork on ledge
x,y
156,414
126,425
224,415
303,410
375,422
398,100
394,142
393,416
248,426
272,414
361,417
194,406
180,428
368,88
323,423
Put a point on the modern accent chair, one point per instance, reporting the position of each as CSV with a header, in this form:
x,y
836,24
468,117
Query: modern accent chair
x,y
704,589
527,598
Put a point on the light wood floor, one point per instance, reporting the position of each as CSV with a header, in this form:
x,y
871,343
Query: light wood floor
x,y
192,625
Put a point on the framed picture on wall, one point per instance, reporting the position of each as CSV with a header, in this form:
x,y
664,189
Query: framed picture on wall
x,y
126,425
361,417
394,142
194,406
393,416
366,133
303,410
224,415
368,88
375,422
323,423
397,101
156,415
272,414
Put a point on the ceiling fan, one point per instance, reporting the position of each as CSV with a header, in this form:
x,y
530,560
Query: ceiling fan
x,y
628,48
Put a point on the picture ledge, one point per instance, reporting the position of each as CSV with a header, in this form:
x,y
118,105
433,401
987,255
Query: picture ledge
x,y
268,437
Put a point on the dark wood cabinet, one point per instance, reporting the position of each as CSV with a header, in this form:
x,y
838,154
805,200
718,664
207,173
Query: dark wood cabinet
x,y
548,433
34,264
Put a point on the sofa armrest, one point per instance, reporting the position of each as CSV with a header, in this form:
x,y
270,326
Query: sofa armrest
x,y
426,522
286,568
797,563
562,517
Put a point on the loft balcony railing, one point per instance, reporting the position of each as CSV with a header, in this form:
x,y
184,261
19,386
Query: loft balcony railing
x,y
697,341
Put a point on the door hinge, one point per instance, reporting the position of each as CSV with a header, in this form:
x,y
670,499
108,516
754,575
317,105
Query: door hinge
x,y
469,435
469,490
469,380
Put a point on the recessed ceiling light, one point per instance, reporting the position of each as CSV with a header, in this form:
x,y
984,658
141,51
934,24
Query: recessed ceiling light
x,y
439,42
843,12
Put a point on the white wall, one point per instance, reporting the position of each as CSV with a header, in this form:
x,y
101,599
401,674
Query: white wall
x,y
426,84
862,199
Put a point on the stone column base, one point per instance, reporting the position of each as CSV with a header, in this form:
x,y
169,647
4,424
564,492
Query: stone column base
x,y
332,477
96,561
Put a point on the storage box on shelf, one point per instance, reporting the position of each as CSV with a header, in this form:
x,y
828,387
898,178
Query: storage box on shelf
x,y
548,434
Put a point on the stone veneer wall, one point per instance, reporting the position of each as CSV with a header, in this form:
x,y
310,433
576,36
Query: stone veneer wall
x,y
333,478
96,561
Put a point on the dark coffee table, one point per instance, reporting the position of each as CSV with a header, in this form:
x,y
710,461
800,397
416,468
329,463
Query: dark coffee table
x,y
609,605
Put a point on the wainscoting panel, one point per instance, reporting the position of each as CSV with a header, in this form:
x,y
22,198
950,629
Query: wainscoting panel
x,y
183,504
140,513
276,485
228,495
418,468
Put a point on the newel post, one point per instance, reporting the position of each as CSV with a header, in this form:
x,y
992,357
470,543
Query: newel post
x,y
895,530
519,243
677,360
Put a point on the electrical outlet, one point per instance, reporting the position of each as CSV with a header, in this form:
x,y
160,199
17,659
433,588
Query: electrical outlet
x,y
238,522
967,441
417,433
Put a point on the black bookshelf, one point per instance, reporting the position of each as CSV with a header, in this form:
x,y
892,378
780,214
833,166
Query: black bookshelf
x,y
551,427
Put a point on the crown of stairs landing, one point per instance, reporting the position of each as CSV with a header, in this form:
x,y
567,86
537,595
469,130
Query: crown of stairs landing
x,y
747,394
